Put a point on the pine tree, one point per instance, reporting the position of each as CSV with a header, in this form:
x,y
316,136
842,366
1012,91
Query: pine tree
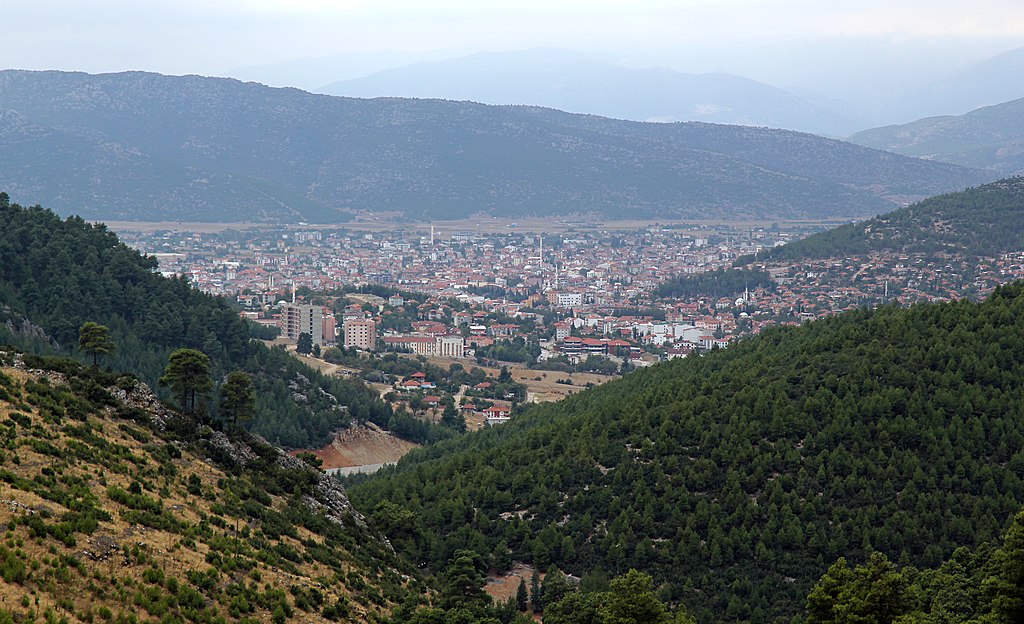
x,y
555,586
304,344
463,584
632,601
522,597
874,593
536,593
452,417
188,375
95,340
237,399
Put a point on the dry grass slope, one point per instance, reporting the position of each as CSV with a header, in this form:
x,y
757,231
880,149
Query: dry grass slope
x,y
112,510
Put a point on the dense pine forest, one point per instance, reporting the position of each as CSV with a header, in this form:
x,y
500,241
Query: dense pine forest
x,y
984,585
982,221
57,274
736,479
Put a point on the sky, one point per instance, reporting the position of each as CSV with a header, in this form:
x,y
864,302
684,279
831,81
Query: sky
x,y
214,37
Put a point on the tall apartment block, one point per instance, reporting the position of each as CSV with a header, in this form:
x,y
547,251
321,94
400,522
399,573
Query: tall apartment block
x,y
299,318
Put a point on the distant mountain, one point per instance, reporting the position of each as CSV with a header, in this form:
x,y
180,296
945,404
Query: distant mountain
x,y
988,138
574,82
738,477
997,79
983,221
142,146
310,73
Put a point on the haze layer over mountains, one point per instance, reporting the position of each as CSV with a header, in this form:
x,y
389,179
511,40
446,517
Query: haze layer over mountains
x,y
867,86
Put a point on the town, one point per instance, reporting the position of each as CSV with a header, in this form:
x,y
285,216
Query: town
x,y
573,301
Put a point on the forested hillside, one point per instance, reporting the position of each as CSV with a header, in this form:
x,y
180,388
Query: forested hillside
x,y
140,146
737,478
982,221
59,274
984,585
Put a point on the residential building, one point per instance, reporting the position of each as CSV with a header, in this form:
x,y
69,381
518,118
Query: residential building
x,y
298,318
360,333
451,346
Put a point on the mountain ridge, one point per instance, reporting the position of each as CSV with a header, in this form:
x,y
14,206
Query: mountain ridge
x,y
991,137
999,78
139,146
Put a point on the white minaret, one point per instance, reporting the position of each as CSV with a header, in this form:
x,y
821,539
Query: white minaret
x,y
431,235
540,255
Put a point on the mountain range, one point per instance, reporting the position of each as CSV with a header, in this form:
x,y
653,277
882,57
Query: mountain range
x,y
139,146
575,82
986,83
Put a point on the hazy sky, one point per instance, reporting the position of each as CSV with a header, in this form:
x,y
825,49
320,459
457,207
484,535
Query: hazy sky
x,y
213,36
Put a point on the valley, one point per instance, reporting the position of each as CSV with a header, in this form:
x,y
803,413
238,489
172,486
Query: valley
x,y
513,336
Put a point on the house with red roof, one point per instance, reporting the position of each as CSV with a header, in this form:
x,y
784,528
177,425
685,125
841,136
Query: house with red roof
x,y
497,415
